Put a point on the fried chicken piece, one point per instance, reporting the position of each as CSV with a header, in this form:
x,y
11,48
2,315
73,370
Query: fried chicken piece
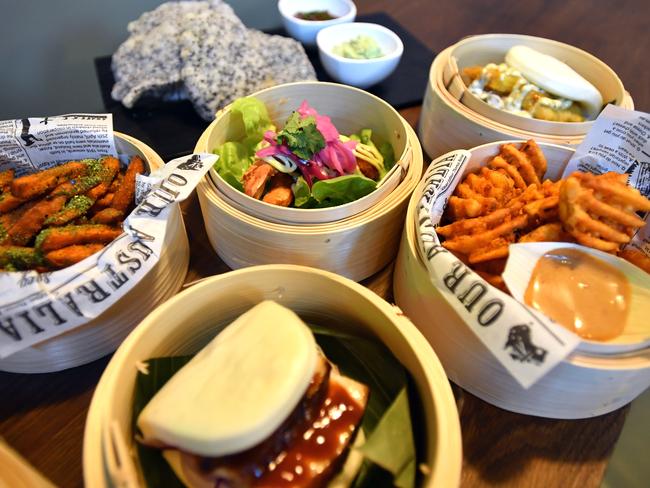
x,y
600,211
256,177
280,192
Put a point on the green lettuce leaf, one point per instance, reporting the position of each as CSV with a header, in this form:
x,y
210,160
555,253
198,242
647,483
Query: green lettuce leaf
x,y
234,160
302,194
255,118
342,189
390,453
386,150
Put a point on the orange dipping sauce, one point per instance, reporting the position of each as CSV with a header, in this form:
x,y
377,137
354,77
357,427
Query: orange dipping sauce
x,y
581,292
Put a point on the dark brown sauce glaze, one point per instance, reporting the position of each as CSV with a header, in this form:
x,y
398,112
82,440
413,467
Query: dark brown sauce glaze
x,y
315,456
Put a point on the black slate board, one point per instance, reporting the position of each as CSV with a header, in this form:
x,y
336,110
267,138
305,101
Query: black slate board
x,y
172,128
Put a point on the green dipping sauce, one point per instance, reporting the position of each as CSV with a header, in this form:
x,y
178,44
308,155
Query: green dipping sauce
x,y
361,47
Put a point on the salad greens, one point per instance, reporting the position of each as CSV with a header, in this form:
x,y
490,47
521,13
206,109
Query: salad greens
x,y
390,452
323,164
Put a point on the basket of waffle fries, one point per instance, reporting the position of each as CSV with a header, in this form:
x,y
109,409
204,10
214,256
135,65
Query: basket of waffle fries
x,y
509,86
73,282
473,273
310,173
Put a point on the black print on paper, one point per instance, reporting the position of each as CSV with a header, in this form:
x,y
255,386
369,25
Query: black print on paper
x,y
523,349
28,139
194,163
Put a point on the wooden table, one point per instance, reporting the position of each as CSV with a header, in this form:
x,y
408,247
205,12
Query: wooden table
x,y
42,416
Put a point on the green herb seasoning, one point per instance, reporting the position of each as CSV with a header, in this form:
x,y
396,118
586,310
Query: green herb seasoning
x,y
315,15
361,47
301,136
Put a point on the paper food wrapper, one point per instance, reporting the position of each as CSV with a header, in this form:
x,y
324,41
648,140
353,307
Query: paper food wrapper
x,y
526,342
38,306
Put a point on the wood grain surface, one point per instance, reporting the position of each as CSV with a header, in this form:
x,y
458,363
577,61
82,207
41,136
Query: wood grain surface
x,y
42,416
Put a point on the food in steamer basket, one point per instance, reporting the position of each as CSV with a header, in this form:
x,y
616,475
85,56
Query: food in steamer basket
x,y
507,201
263,405
57,217
306,163
534,85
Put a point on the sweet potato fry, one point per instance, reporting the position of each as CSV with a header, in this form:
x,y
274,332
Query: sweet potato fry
x,y
67,256
59,237
5,178
75,208
107,216
124,196
33,185
28,225
8,202
102,203
18,257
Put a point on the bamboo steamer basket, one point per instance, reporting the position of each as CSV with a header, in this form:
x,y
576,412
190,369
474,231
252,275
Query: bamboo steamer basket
x,y
452,118
102,335
357,246
581,386
184,324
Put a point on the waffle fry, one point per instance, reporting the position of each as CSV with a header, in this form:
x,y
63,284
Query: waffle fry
x,y
600,211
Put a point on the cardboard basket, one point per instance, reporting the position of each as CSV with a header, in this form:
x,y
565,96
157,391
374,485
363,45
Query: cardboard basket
x,y
103,335
184,324
453,118
353,242
581,386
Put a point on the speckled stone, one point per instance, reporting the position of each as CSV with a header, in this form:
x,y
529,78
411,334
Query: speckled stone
x,y
202,51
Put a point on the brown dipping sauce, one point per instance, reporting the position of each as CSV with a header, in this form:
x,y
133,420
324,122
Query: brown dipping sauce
x,y
315,15
581,292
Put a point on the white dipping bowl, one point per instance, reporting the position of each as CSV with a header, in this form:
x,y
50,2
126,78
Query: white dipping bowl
x,y
361,73
305,30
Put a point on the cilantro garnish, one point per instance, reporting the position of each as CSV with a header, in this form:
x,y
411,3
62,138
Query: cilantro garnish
x,y
301,136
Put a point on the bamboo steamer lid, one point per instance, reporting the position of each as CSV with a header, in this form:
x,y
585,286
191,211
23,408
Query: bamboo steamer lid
x,y
356,247
581,386
102,335
453,118
184,324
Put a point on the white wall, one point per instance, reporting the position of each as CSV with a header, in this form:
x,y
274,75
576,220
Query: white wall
x,y
47,49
